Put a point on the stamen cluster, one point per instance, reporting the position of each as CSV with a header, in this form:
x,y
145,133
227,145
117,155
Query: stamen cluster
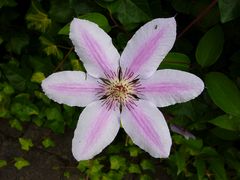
x,y
119,91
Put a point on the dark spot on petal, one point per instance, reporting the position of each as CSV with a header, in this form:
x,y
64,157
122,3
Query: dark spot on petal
x,y
156,26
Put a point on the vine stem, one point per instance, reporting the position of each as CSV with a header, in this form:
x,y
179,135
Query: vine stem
x,y
63,60
199,17
116,24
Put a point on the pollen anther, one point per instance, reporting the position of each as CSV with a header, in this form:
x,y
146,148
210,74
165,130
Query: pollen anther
x,y
117,92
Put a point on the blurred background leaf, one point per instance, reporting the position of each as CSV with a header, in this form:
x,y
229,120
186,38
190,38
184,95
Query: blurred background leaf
x,y
229,9
210,47
223,92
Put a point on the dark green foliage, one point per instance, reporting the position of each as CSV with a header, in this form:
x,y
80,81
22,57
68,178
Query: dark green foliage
x,y
34,43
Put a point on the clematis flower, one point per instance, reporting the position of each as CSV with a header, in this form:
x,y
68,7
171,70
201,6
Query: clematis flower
x,y
124,89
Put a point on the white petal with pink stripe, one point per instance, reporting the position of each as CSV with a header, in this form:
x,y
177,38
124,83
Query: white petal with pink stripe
x,y
146,126
167,87
74,88
94,48
97,127
148,47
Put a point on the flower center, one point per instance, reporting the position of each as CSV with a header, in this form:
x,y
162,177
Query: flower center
x,y
119,91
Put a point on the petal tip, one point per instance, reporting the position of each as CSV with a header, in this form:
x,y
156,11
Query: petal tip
x,y
162,152
78,156
44,85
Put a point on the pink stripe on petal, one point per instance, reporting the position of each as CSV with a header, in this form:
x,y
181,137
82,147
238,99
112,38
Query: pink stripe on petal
x,y
94,48
97,53
144,53
146,126
73,88
167,87
148,47
97,127
94,132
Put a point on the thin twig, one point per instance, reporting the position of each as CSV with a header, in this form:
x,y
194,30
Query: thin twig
x,y
63,60
116,24
63,47
199,17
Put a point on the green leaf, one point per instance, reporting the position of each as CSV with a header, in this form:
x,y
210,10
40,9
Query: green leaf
x,y
115,148
66,174
1,40
50,48
121,41
194,146
176,61
60,11
20,163
99,19
121,9
16,124
37,19
2,163
179,159
54,113
147,165
83,165
229,9
4,113
17,78
223,92
55,119
17,42
95,170
47,143
95,17
109,0
41,64
77,65
209,151
37,77
145,177
8,89
232,159
228,122
183,6
65,30
117,175
42,96
144,5
134,151
201,168
217,166
117,162
10,3
225,134
83,7
134,168
4,105
210,47
38,121
23,110
56,126
26,144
